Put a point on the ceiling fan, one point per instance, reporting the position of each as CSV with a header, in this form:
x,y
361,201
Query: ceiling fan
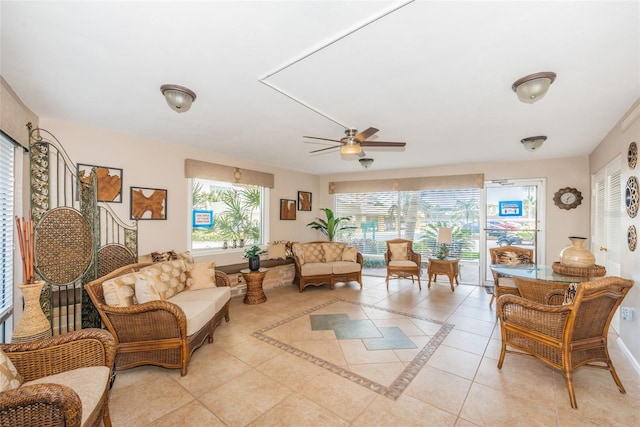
x,y
353,142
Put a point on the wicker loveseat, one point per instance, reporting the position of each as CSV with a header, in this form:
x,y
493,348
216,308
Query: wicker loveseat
x,y
321,263
65,380
162,332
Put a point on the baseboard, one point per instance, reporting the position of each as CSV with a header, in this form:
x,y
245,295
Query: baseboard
x,y
627,353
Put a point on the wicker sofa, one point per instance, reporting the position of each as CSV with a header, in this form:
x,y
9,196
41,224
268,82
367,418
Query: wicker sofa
x,y
164,331
321,263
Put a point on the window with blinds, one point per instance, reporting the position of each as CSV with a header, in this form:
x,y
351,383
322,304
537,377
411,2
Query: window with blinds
x,y
6,227
412,215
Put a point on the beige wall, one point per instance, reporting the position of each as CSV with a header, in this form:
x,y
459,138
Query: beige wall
x,y
14,115
559,173
616,143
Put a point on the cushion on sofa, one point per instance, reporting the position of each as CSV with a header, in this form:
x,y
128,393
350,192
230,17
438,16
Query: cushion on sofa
x,y
120,291
9,377
343,267
332,251
201,305
169,277
201,275
316,269
298,251
277,250
146,291
313,252
350,253
88,383
399,251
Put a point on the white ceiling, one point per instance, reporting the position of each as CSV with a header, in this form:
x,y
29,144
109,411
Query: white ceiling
x,y
435,74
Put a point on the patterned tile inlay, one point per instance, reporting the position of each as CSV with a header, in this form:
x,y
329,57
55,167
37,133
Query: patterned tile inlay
x,y
385,337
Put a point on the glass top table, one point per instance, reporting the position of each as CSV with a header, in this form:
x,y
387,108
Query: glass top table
x,y
537,271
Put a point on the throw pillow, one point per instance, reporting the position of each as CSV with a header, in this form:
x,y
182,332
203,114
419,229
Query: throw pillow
x,y
289,249
120,291
146,291
399,251
570,293
332,251
277,250
313,252
202,275
508,257
10,379
163,256
350,253
298,251
169,277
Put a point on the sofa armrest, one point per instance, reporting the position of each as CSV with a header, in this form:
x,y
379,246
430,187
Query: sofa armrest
x,y
44,402
222,279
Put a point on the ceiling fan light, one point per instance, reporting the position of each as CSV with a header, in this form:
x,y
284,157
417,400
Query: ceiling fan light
x,y
533,87
350,149
179,98
533,143
366,162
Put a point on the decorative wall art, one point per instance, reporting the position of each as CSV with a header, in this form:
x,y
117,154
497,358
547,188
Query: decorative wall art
x,y
148,203
632,155
287,209
632,196
304,201
632,238
109,181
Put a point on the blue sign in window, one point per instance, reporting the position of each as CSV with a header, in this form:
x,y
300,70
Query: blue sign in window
x,y
510,208
202,218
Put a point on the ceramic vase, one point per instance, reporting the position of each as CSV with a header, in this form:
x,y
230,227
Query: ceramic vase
x,y
33,325
575,255
254,263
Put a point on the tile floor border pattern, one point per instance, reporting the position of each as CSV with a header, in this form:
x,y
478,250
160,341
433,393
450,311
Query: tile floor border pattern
x,y
402,381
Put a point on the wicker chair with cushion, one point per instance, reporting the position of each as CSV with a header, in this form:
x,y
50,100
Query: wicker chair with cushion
x,y
507,255
568,336
402,261
65,380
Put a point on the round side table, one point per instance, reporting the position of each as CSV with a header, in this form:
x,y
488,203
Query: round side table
x,y
255,293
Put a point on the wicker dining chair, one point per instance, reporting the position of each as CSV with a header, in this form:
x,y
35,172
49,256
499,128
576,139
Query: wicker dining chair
x,y
49,404
565,337
402,261
507,255
538,290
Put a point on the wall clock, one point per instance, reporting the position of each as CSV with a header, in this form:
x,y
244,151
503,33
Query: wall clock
x,y
632,238
567,198
632,155
631,196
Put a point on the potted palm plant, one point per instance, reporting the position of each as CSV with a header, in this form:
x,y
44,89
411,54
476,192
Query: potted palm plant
x,y
331,225
253,255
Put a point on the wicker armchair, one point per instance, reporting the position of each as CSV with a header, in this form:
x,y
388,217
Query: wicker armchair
x,y
153,333
564,337
538,290
408,267
55,404
507,255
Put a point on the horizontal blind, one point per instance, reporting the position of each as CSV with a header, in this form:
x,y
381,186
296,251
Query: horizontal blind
x,y
6,226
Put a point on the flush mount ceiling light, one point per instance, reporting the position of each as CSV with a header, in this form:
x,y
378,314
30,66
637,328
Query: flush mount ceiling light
x,y
366,162
533,87
532,143
179,98
351,147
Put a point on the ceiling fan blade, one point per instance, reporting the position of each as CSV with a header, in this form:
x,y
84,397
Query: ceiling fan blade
x,y
323,139
325,149
365,134
382,144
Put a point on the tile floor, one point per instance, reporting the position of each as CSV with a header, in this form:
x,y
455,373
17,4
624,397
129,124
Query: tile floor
x,y
242,380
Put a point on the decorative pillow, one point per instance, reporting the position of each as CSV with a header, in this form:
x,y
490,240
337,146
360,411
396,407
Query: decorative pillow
x,y
277,250
289,249
313,252
298,250
146,291
186,256
163,256
508,257
120,291
202,275
10,379
169,277
570,293
332,251
399,251
350,253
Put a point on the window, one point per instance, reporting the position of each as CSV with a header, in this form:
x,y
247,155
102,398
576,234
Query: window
x,y
226,215
6,229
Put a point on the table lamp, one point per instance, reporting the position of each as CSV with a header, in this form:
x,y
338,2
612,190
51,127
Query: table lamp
x,y
444,239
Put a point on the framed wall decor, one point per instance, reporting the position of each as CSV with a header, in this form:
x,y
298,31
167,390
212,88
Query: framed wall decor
x,y
109,181
304,201
148,203
287,209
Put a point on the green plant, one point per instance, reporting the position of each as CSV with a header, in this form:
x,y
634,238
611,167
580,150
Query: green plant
x,y
331,225
253,251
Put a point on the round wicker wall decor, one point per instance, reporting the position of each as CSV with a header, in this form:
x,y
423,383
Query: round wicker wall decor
x,y
632,155
632,238
631,196
63,246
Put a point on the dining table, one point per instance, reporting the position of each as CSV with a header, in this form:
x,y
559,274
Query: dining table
x,y
539,272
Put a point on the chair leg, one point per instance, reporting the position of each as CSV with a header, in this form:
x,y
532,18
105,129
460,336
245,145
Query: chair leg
x,y
419,285
616,379
387,280
503,351
106,417
572,393
493,296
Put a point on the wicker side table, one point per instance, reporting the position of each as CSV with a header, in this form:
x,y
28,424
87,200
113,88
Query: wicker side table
x,y
255,293
448,266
